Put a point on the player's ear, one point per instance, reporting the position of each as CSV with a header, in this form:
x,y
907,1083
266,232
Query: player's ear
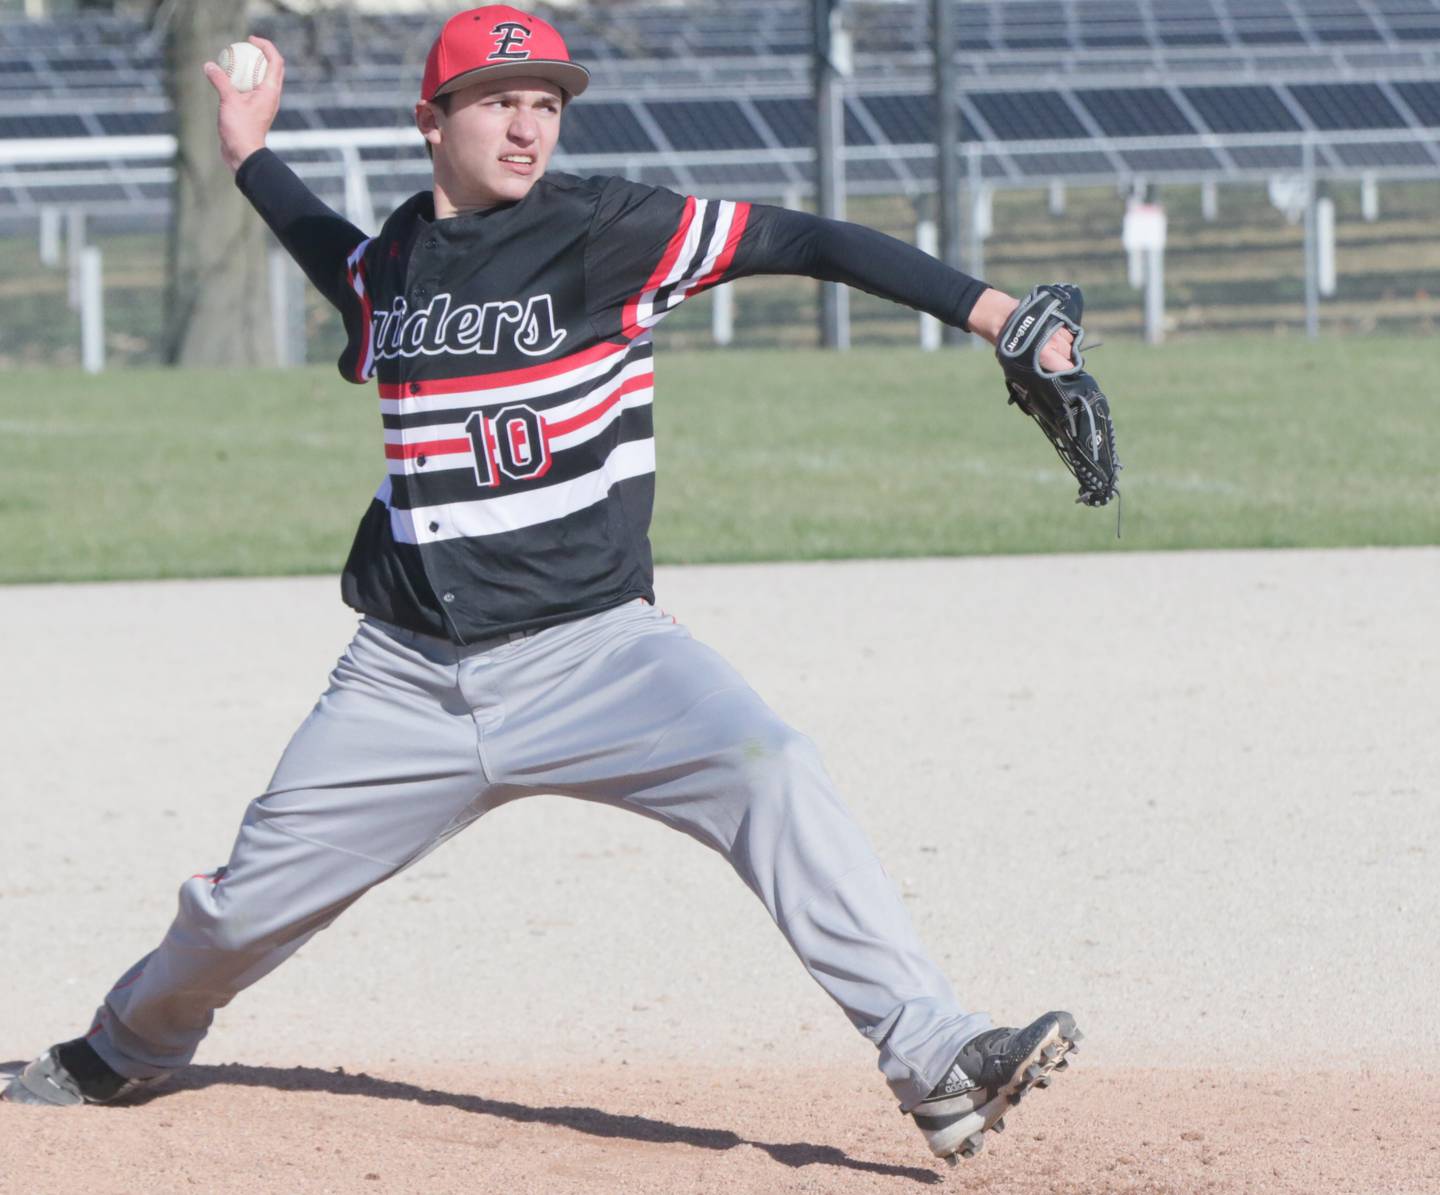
x,y
427,120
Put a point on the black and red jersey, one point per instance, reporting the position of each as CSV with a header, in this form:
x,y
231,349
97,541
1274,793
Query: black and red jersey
x,y
514,360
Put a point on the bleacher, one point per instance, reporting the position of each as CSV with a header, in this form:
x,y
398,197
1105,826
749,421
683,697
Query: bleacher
x,y
1079,90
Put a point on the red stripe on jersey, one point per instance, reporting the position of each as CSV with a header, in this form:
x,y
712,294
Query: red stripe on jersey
x,y
404,452
727,254
630,325
564,426
496,381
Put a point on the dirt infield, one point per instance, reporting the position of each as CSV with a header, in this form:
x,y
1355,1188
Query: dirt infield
x,y
235,1129
1193,798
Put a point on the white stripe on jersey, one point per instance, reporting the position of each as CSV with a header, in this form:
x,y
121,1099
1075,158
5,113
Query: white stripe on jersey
x,y
723,221
645,310
436,432
470,399
641,396
494,516
645,314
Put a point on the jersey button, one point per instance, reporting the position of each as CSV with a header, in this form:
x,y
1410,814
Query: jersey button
x,y
420,464
431,243
449,597
414,387
436,527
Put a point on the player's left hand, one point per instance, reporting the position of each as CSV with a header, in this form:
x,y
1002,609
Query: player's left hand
x,y
1039,350
1058,354
993,310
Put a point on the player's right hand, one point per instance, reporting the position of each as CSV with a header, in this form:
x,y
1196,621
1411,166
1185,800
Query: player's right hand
x,y
246,116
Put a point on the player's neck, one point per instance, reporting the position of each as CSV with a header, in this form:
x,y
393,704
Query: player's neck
x,y
452,200
446,207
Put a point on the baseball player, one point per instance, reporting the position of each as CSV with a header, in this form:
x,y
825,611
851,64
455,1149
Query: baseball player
x,y
509,642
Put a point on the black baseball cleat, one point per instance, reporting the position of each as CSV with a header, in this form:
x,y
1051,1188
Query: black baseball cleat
x,y
68,1075
991,1072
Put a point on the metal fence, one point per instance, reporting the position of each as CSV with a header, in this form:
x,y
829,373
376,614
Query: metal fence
x,y
1287,225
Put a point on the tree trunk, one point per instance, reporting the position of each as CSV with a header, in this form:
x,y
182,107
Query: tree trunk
x,y
218,292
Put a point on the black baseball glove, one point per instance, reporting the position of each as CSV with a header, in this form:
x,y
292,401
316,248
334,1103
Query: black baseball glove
x,y
1068,405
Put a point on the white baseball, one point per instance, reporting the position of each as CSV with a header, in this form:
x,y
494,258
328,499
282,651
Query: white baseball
x,y
243,63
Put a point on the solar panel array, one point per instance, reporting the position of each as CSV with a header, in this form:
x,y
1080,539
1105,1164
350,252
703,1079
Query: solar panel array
x,y
709,101
101,51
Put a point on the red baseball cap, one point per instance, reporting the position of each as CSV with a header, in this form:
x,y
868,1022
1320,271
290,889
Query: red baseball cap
x,y
497,42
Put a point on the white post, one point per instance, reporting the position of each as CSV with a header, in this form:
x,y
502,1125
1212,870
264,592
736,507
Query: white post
x,y
1154,295
722,314
50,236
74,243
358,209
1325,245
981,225
927,240
981,219
1312,251
975,247
1134,267
92,311
984,220
1057,198
1137,232
1143,236
842,315
1209,201
1369,198
790,199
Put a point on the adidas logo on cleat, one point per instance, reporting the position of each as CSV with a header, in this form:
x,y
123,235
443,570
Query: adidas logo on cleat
x,y
989,1076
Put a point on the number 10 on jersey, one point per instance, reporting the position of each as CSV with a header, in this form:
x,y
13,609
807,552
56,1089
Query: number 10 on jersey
x,y
511,443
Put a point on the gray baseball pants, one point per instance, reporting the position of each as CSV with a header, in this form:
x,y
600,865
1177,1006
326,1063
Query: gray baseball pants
x,y
416,738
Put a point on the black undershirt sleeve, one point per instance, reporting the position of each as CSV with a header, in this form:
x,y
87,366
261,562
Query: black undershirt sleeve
x,y
314,234
780,241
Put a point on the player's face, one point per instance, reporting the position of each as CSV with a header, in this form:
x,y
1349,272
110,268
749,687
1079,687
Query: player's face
x,y
496,140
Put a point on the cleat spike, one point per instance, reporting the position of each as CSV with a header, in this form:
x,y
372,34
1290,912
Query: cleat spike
x,y
1017,1096
1032,1072
972,1145
1063,1065
952,1160
1074,1037
1043,1081
1050,1053
998,1126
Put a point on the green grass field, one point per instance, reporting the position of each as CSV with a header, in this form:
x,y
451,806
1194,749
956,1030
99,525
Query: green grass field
x,y
763,456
